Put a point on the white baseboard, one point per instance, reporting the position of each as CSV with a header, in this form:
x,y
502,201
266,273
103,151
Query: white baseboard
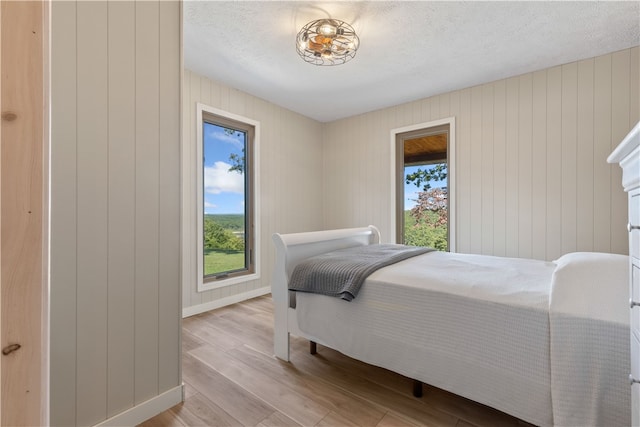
x,y
146,410
211,305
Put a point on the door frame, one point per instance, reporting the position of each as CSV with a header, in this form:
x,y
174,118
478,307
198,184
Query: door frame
x,y
451,175
24,154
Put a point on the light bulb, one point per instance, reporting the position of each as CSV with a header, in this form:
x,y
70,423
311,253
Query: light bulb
x,y
327,29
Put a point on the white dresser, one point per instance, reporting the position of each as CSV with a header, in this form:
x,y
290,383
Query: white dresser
x,y
627,154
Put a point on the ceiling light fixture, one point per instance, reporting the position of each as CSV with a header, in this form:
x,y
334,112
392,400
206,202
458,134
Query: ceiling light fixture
x,y
327,42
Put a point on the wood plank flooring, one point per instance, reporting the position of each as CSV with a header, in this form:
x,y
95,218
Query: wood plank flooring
x,y
232,379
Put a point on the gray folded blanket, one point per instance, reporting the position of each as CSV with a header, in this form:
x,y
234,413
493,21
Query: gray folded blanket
x,y
341,273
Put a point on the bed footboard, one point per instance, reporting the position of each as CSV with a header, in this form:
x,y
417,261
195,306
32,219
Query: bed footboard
x,y
292,249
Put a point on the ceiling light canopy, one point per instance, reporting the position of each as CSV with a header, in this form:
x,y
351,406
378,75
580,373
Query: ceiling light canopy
x,y
327,42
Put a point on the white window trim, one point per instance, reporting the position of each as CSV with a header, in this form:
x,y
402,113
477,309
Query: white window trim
x,y
206,286
451,154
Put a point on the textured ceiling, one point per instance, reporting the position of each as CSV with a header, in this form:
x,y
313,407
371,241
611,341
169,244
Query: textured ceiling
x,y
408,50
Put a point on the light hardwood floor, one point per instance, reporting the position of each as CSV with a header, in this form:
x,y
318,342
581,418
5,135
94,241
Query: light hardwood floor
x,y
232,379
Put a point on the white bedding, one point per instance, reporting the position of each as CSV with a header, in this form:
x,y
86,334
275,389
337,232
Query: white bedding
x,y
589,339
480,327
490,342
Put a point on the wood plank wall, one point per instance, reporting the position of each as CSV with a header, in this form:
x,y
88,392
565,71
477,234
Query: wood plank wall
x,y
23,212
115,206
290,177
532,176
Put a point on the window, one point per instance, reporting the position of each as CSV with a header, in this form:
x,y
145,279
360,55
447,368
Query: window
x,y
423,186
227,198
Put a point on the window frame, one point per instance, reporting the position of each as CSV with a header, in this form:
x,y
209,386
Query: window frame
x,y
401,139
397,176
252,198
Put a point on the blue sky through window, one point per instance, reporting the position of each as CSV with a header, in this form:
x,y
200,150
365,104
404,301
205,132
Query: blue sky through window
x,y
223,189
411,190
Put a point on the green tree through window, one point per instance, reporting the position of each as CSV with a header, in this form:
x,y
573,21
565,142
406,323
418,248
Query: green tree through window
x,y
425,224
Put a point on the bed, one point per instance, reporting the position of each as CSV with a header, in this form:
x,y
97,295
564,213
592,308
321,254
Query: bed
x,y
547,342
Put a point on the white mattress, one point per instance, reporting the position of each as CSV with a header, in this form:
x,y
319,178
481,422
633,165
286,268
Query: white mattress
x,y
477,326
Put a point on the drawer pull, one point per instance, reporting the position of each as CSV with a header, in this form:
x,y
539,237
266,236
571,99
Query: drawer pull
x,y
630,227
633,303
632,380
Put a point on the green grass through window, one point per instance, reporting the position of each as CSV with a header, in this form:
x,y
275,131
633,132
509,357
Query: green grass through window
x,y
220,260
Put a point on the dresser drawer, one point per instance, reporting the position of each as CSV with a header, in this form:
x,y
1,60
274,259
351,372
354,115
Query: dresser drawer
x,y
635,387
635,297
634,221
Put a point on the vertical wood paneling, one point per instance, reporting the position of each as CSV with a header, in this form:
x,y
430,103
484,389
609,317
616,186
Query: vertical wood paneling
x,y
121,220
568,153
339,164
206,89
445,105
454,110
381,209
525,166
634,85
188,186
92,211
425,110
364,126
214,90
499,167
539,165
115,219
602,139
620,126
353,190
512,156
63,277
147,200
23,217
268,175
584,157
487,138
475,168
554,161
416,112
435,108
532,177
169,350
224,97
463,171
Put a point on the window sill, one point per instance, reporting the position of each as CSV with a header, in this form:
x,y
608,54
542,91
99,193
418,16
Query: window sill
x,y
216,284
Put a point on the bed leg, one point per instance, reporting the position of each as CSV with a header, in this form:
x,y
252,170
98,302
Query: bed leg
x,y
313,347
417,388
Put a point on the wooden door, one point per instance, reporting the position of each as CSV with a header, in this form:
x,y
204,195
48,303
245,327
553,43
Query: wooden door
x,y
22,214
